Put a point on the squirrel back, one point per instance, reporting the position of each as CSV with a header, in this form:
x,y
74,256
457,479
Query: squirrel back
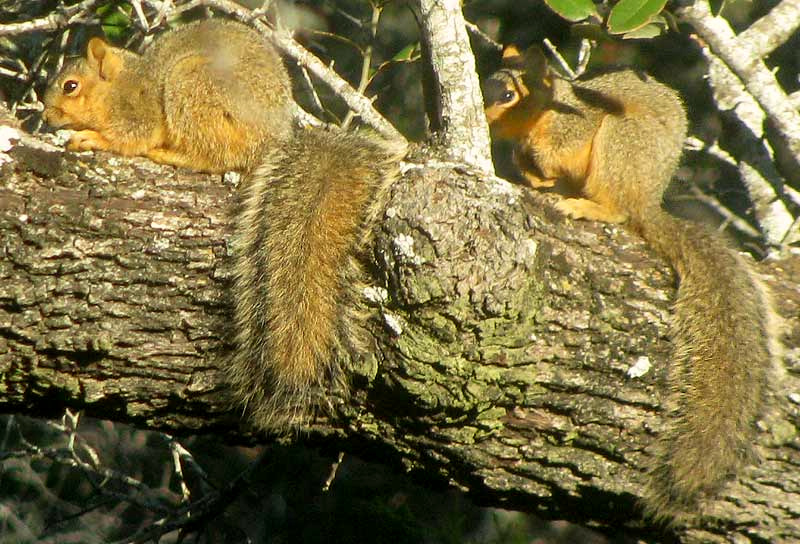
x,y
610,145
209,95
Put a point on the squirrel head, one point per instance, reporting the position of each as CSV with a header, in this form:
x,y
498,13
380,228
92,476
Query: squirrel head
x,y
77,97
518,92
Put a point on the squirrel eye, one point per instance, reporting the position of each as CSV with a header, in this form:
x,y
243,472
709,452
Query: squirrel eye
x,y
507,96
70,86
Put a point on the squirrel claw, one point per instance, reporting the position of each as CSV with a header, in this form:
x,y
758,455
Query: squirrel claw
x,y
86,140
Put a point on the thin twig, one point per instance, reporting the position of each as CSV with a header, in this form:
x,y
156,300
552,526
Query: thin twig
x,y
61,17
177,452
200,511
562,62
584,55
753,169
95,475
729,217
334,469
366,60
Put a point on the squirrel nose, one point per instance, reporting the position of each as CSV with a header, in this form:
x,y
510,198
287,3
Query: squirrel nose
x,y
51,116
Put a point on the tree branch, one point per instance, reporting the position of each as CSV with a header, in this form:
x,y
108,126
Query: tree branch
x,y
756,166
453,95
773,29
740,93
505,370
65,16
745,62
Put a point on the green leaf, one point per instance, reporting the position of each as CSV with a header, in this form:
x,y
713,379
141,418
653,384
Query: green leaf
x,y
573,10
629,15
115,20
589,31
409,52
650,30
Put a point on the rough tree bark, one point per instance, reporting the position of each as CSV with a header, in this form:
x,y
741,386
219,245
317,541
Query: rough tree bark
x,y
501,354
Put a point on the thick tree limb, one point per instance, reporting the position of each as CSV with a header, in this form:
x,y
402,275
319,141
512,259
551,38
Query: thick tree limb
x,y
502,354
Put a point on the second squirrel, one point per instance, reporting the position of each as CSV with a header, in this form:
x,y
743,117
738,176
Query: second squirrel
x,y
610,144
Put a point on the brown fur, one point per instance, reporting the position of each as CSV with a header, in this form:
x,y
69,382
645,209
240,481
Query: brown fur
x,y
306,212
613,142
197,97
214,96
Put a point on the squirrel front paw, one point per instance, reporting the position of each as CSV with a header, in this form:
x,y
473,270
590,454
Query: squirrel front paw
x,y
537,182
582,208
85,140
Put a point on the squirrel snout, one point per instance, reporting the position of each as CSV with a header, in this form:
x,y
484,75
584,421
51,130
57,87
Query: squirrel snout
x,y
57,119
52,116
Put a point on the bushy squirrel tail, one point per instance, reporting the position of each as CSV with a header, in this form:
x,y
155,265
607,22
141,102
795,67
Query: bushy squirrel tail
x,y
725,346
306,213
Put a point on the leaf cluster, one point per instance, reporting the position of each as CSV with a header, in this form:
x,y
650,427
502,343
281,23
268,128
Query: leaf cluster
x,y
625,18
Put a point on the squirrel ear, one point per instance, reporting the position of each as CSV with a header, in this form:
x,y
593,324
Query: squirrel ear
x,y
510,52
535,63
103,59
512,58
532,62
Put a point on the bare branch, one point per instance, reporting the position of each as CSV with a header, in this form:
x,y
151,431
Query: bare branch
x,y
54,21
773,29
744,61
366,61
757,169
562,62
454,100
50,22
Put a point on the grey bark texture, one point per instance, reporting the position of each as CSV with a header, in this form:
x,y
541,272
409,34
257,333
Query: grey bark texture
x,y
453,99
500,359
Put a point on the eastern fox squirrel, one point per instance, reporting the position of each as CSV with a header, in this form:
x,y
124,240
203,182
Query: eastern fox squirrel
x,y
202,96
610,145
214,96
